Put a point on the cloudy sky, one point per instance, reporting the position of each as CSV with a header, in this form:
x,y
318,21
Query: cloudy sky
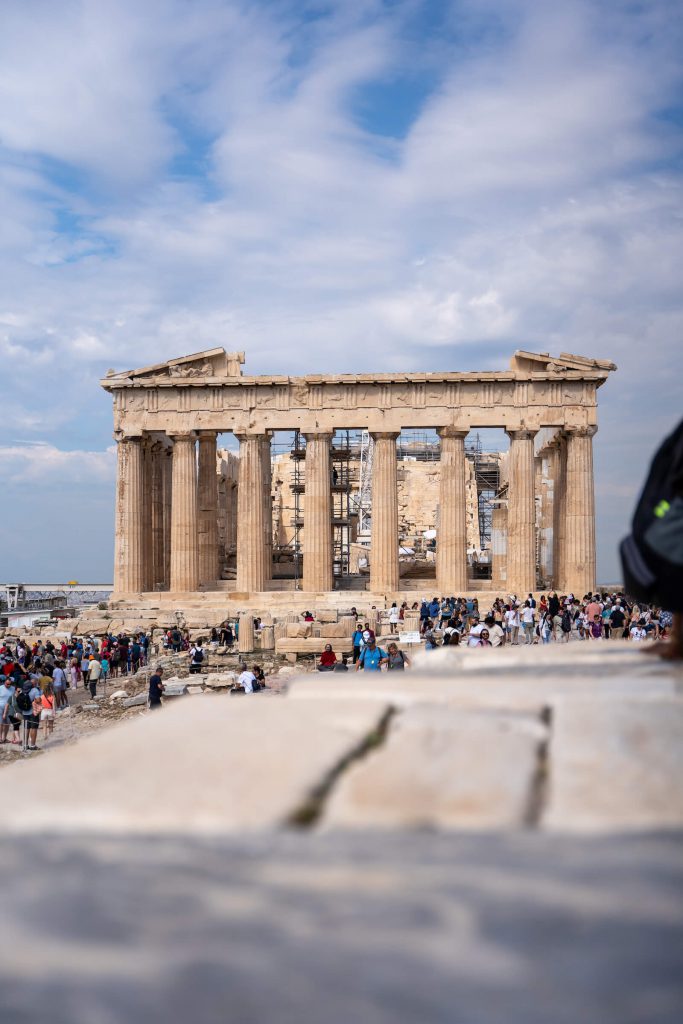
x,y
339,185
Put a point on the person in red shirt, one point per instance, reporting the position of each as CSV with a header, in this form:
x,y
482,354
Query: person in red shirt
x,y
328,659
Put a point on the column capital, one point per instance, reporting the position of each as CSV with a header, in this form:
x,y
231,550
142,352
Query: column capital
x,y
207,435
121,435
457,432
384,435
184,435
521,434
318,435
582,431
252,435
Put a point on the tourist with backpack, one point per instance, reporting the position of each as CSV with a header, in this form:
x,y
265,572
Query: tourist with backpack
x,y
196,658
371,657
396,660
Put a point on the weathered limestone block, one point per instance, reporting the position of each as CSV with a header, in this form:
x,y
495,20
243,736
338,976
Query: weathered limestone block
x,y
280,630
327,615
411,621
296,747
616,764
219,680
334,629
299,629
312,645
442,768
348,622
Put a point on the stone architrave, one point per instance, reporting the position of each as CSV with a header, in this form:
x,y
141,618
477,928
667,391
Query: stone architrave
x,y
129,542
384,570
521,547
207,492
317,541
156,490
251,547
245,638
184,547
579,545
451,550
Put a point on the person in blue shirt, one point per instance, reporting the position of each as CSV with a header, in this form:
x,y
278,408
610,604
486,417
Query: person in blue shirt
x,y
357,642
434,608
371,657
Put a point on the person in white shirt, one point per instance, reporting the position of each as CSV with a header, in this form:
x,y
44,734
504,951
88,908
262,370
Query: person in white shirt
x,y
246,679
496,634
475,630
511,620
528,622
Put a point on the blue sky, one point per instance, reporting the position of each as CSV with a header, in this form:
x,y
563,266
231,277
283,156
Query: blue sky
x,y
331,186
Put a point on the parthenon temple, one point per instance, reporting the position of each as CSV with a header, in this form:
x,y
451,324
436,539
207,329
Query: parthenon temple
x,y
350,502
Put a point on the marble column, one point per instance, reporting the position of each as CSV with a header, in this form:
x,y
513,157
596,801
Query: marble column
x,y
559,513
384,569
147,512
266,467
547,497
156,489
167,481
245,637
251,548
129,568
521,547
451,542
579,543
499,546
207,510
317,540
184,547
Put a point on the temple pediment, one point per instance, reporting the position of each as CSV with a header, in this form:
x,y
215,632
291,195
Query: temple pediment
x,y
543,362
212,362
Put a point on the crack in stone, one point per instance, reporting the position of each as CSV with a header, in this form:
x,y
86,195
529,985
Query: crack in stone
x,y
309,813
538,789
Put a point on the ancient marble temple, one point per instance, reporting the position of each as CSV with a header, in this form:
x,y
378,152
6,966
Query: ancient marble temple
x,y
167,418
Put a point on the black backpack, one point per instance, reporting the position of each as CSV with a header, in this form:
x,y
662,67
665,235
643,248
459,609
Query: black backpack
x,y
566,622
652,554
198,657
24,702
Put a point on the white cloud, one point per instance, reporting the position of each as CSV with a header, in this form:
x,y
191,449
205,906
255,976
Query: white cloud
x,y
32,463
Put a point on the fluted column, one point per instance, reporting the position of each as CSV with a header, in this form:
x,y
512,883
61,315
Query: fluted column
x,y
384,570
266,468
521,548
559,513
245,634
251,553
147,512
167,481
207,512
548,497
499,546
579,545
317,541
451,543
129,569
156,490
184,547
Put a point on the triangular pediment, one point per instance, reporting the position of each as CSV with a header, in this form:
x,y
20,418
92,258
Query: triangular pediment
x,y
543,362
211,362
